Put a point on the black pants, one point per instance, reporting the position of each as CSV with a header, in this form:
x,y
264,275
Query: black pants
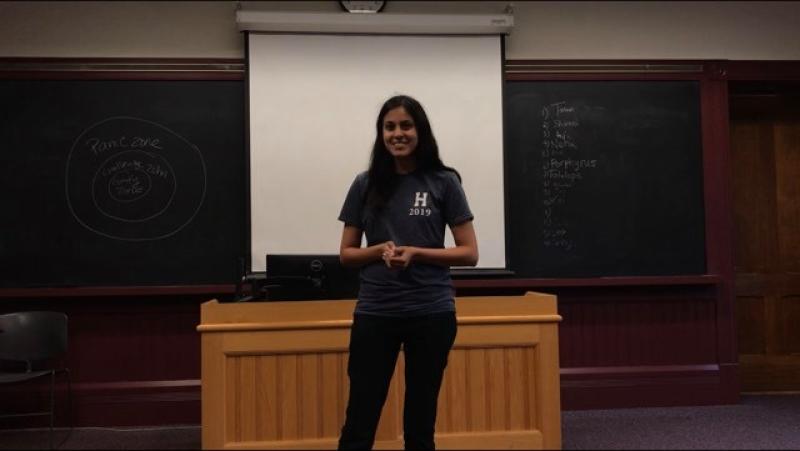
x,y
374,345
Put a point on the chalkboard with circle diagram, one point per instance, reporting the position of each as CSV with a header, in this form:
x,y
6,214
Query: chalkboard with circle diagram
x,y
121,182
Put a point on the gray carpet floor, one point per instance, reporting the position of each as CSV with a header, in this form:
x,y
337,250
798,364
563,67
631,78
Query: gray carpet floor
x,y
757,422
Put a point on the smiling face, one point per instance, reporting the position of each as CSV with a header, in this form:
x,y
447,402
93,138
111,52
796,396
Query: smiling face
x,y
399,134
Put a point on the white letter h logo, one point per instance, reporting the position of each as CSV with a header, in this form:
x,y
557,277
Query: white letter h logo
x,y
421,198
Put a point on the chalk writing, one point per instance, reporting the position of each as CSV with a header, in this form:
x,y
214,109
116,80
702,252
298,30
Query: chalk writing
x,y
128,186
98,146
561,171
135,180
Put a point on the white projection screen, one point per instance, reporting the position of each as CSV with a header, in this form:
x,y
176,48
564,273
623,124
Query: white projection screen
x,y
313,102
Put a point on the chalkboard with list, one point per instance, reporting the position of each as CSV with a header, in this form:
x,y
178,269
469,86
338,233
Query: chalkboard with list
x,y
604,178
121,182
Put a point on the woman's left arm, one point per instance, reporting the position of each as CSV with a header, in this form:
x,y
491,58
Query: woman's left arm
x,y
465,252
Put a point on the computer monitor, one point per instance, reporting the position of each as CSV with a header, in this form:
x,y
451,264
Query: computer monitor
x,y
298,277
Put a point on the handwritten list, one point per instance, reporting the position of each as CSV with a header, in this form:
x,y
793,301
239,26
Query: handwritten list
x,y
562,170
604,178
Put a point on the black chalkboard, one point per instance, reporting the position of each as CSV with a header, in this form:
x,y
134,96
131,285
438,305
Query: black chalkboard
x,y
121,182
604,178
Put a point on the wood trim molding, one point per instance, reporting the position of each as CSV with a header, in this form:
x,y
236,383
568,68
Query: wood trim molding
x,y
763,70
640,370
719,222
109,404
602,67
532,284
124,64
122,68
72,292
344,324
592,70
649,386
91,387
221,289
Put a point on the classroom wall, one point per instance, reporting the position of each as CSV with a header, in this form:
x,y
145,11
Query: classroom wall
x,y
135,358
742,30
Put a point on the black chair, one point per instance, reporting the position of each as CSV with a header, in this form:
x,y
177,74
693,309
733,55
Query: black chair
x,y
37,343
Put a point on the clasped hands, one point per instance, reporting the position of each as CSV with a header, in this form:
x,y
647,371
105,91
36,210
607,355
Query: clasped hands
x,y
397,257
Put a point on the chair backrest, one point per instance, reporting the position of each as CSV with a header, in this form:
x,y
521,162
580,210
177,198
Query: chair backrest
x,y
33,336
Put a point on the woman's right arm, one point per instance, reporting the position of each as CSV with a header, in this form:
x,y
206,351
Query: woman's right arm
x,y
352,254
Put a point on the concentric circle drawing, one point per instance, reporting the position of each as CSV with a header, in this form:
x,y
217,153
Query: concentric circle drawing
x,y
135,180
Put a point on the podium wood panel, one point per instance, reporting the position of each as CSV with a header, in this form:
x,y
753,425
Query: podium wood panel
x,y
274,376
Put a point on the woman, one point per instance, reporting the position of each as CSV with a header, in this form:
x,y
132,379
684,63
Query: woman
x,y
402,204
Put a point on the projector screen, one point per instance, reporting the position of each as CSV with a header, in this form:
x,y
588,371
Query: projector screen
x,y
313,102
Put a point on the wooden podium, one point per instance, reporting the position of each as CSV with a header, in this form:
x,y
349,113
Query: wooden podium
x,y
274,376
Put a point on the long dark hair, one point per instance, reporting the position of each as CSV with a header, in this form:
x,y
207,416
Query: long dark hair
x,y
382,173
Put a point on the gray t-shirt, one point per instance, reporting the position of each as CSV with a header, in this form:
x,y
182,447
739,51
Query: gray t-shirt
x,y
422,205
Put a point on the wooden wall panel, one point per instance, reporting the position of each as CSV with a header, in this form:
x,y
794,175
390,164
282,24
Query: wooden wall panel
x,y
530,356
641,346
158,383
133,361
751,323
787,162
503,385
307,406
477,406
518,386
788,325
311,396
288,397
755,247
159,336
765,144
267,397
246,424
657,332
333,383
453,393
